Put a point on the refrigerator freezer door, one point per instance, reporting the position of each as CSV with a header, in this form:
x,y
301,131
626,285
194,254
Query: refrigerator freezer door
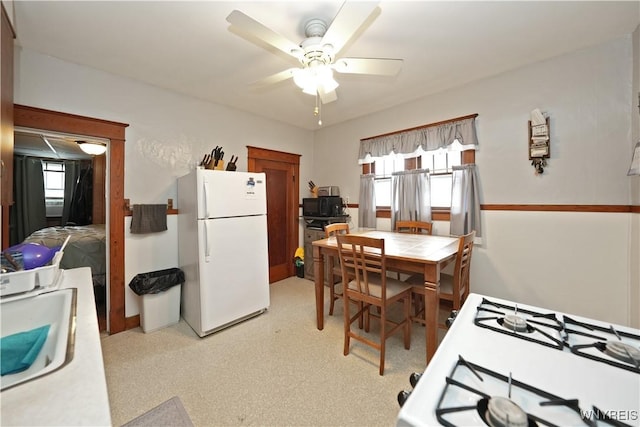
x,y
225,194
234,277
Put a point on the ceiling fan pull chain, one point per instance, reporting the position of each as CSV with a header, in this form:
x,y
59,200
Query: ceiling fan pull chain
x,y
317,111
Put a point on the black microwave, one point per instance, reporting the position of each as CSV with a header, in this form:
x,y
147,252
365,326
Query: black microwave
x,y
322,206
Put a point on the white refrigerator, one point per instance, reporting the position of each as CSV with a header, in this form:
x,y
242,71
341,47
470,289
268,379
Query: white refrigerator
x,y
223,248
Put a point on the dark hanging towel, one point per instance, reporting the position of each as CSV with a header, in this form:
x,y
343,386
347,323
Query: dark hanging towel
x,y
148,218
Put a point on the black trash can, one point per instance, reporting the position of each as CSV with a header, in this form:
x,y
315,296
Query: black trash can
x,y
299,267
160,295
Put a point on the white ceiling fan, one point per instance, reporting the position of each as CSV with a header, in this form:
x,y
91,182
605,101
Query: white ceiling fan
x,y
318,55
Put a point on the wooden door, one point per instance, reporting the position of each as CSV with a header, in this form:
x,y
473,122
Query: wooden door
x,y
281,170
6,121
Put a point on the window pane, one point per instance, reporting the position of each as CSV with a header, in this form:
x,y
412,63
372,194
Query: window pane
x,y
455,158
427,160
54,180
53,174
440,161
385,166
440,191
383,192
50,166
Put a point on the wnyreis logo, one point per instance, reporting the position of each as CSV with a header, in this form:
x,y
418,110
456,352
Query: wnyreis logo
x,y
611,414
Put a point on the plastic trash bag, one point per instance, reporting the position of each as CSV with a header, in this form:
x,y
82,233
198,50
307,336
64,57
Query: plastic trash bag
x,y
156,281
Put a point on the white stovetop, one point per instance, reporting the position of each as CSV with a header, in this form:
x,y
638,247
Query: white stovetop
x,y
556,371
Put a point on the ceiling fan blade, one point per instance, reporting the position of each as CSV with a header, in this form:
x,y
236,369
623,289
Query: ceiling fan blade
x,y
348,21
327,97
258,30
274,78
376,66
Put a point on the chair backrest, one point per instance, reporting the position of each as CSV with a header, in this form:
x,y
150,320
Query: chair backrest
x,y
462,268
414,227
362,258
336,228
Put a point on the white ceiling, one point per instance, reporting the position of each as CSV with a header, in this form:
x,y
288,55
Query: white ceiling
x,y
187,47
49,145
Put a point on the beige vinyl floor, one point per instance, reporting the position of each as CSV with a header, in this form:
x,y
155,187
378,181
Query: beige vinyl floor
x,y
276,369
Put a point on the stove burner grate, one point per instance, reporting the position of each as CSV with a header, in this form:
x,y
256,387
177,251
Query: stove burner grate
x,y
454,406
524,324
621,351
582,338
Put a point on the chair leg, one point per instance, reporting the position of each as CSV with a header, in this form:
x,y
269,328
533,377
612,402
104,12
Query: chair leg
x,y
367,317
419,311
347,324
332,295
383,338
407,322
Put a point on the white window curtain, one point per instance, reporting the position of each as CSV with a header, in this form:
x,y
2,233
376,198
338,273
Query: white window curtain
x,y
429,137
367,202
465,203
410,196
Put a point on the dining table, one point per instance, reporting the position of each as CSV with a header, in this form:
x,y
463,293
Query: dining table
x,y
406,253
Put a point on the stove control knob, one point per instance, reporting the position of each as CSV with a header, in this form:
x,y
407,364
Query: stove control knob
x,y
403,396
414,378
451,318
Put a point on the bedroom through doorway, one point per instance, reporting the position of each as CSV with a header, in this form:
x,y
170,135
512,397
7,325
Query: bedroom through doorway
x,y
60,192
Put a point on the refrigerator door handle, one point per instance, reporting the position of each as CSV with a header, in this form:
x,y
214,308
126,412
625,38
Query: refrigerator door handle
x,y
205,193
207,248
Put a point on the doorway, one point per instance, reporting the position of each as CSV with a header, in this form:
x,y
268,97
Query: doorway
x,y
281,170
70,204
47,120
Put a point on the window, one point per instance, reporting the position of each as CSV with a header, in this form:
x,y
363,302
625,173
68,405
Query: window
x,y
438,162
53,173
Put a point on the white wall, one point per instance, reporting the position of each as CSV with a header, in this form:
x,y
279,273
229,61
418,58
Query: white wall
x,y
586,94
576,262
634,296
146,253
168,133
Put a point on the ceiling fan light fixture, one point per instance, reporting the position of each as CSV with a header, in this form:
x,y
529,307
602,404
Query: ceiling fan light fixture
x,y
92,148
310,79
304,79
329,85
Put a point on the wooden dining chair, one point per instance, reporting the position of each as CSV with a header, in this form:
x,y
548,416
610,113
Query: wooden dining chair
x,y
363,259
414,227
454,288
334,273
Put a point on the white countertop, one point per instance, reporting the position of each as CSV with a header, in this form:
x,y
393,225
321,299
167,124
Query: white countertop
x,y
76,394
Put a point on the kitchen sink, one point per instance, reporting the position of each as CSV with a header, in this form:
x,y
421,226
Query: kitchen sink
x,y
26,312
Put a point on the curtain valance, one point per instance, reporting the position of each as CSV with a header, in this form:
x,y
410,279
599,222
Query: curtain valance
x,y
429,137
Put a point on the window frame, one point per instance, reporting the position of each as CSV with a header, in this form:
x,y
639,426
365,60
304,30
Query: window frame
x,y
437,214
52,212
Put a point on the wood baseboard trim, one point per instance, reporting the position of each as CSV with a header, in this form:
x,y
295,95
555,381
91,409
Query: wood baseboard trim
x,y
132,322
444,216
559,208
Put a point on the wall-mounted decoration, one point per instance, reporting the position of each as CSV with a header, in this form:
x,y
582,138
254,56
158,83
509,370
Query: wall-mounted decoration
x,y
539,142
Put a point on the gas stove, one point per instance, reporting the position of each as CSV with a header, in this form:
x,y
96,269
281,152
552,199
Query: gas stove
x,y
503,363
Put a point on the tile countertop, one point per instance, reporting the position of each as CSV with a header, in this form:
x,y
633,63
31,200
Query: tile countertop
x,y
77,393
